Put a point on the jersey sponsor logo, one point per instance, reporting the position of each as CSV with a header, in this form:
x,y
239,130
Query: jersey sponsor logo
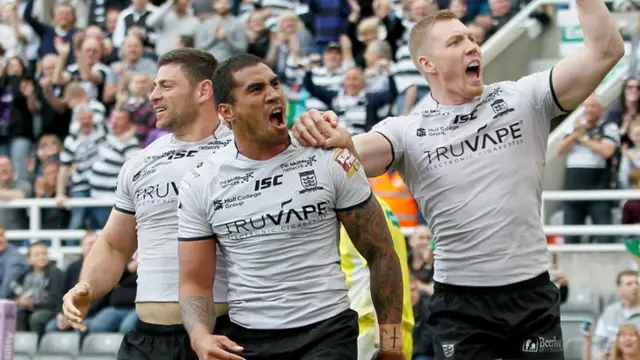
x,y
215,145
142,173
236,180
309,181
285,220
448,349
163,193
501,108
173,155
298,164
541,344
430,113
461,119
483,143
271,181
347,161
234,201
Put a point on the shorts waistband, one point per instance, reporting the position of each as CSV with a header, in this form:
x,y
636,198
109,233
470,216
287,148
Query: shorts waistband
x,y
538,281
160,329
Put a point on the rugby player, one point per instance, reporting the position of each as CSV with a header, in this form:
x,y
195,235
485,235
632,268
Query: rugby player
x,y
144,215
274,208
356,271
473,156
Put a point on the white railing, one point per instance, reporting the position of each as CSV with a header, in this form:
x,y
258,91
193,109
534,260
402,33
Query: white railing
x,y
34,206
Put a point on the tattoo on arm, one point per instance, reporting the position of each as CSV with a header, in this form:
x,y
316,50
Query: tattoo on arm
x,y
367,227
198,310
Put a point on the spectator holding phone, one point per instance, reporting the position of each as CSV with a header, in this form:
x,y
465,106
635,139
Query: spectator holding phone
x,y
625,311
626,345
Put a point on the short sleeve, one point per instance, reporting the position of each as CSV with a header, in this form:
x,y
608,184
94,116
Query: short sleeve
x,y
193,223
611,133
392,128
538,88
124,196
349,179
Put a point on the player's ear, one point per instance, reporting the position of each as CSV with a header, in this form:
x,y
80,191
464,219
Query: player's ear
x,y
426,65
226,112
205,91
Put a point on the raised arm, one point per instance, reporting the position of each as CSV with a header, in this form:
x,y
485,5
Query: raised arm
x,y
368,230
576,76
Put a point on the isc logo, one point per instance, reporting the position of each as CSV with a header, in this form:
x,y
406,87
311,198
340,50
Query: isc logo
x,y
266,183
182,154
461,119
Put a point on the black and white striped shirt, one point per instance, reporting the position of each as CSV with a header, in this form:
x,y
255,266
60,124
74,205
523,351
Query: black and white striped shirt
x,y
328,80
94,91
112,154
352,111
405,72
81,151
99,113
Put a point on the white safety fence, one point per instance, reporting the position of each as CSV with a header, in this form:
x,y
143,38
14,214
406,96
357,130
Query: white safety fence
x,y
33,207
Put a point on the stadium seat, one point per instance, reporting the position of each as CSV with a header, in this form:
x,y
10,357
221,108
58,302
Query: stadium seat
x,y
52,357
582,302
26,343
21,357
573,349
101,344
63,343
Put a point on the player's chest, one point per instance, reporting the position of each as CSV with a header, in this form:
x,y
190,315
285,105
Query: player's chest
x,y
442,140
157,180
256,201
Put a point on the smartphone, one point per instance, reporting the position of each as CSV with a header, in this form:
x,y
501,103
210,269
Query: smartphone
x,y
586,326
554,260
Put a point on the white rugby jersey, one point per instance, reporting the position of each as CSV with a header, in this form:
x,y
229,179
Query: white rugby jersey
x,y
476,172
275,223
148,188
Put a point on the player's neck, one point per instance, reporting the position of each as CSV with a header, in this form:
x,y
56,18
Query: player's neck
x,y
199,130
255,151
447,98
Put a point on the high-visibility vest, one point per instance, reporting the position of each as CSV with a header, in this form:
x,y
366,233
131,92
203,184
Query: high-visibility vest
x,y
392,189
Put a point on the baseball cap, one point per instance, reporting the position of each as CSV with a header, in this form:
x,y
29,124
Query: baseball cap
x,y
334,46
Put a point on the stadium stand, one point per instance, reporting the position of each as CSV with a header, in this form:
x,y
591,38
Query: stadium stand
x,y
65,131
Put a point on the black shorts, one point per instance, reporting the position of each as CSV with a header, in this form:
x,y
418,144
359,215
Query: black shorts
x,y
333,339
512,322
163,342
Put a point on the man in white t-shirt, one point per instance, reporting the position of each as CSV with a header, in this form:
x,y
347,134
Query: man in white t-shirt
x,y
473,156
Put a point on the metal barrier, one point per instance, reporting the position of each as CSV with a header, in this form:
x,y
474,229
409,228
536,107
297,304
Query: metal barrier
x,y
33,207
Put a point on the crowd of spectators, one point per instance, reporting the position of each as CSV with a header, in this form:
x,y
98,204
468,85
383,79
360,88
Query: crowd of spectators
x,y
76,78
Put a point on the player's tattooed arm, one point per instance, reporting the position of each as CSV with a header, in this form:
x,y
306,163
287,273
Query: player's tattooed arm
x,y
197,274
198,311
367,227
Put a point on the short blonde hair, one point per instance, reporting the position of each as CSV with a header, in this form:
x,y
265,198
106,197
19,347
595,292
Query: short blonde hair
x,y
368,24
422,28
289,15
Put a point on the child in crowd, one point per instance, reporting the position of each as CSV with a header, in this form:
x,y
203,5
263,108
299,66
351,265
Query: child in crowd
x,y
39,290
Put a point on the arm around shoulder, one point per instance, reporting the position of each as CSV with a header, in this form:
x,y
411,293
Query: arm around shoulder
x,y
381,147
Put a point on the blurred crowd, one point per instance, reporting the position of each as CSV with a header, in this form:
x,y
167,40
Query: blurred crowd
x,y
77,78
